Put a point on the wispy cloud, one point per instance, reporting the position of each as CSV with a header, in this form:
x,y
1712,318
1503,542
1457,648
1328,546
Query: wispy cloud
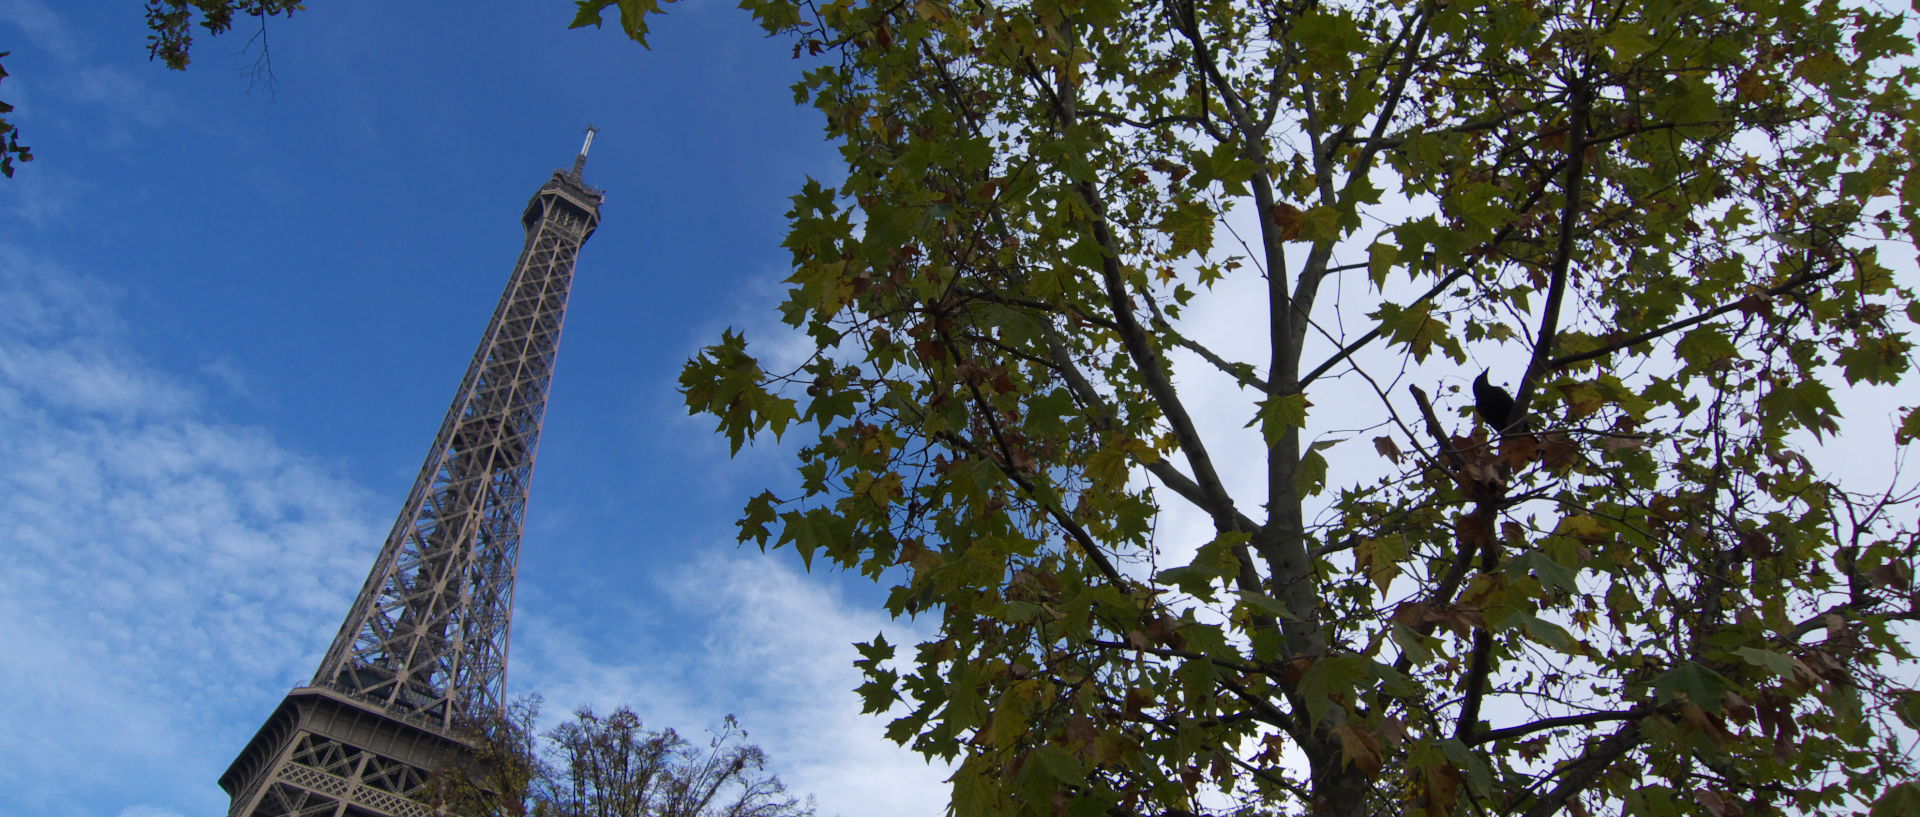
x,y
741,632
167,574
42,26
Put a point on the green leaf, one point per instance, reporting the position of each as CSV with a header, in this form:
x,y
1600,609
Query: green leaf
x,y
1211,562
758,515
1280,414
1331,677
1311,479
1782,666
1412,644
1552,575
1416,328
1059,763
1705,346
1381,259
633,15
1190,226
1875,360
1900,800
1697,682
1265,604
1909,429
875,651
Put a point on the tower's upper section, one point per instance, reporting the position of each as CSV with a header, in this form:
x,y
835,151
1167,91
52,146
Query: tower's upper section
x,y
569,188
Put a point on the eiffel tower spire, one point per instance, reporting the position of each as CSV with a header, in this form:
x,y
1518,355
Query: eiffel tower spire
x,y
422,654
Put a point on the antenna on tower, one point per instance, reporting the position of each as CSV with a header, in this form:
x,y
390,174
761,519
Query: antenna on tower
x,y
580,161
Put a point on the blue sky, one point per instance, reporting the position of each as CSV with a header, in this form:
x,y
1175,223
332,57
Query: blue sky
x,y
231,316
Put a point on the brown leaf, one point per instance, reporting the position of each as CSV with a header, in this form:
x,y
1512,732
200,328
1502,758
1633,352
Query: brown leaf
x,y
1825,666
1359,747
1559,451
1698,720
1139,640
1295,670
1394,732
1736,707
1081,733
1166,630
1776,714
1519,450
1387,448
1271,748
1442,789
928,351
1410,614
1720,805
1475,530
1462,620
1221,768
1288,219
1892,575
1622,443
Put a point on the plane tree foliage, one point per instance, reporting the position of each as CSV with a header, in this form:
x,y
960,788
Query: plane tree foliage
x,y
1674,226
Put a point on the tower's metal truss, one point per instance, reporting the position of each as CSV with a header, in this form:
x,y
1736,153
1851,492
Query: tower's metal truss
x,y
423,651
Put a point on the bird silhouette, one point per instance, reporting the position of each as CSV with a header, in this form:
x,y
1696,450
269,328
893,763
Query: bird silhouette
x,y
1494,404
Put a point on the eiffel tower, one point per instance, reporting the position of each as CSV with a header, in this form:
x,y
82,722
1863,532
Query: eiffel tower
x,y
422,655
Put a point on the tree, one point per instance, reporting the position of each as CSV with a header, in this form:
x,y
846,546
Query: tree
x,y
10,147
171,23
1670,226
590,766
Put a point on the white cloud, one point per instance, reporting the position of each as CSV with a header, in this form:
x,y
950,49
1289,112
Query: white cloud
x,y
168,575
745,633
41,26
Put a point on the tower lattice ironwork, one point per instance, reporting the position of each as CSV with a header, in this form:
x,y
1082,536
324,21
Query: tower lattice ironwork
x,y
422,654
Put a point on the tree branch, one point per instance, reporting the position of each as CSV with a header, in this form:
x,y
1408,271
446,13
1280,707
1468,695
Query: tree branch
x,y
1217,502
1525,729
1208,355
1582,773
1580,101
1794,283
